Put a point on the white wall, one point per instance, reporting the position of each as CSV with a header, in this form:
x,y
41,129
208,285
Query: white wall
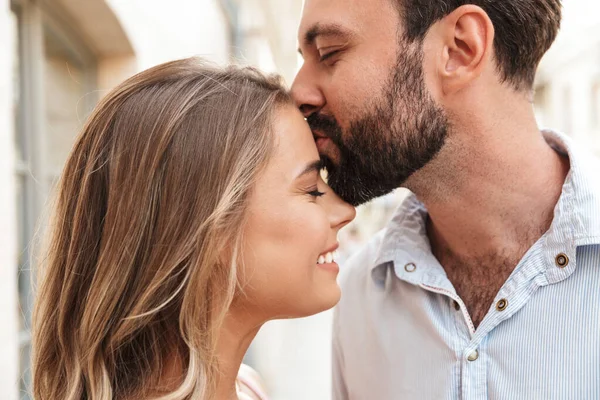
x,y
8,242
269,30
166,30
294,357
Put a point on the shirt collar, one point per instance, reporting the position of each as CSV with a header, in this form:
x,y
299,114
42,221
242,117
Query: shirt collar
x,y
576,223
404,242
577,214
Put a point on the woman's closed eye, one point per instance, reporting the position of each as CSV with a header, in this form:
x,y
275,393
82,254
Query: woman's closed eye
x,y
315,193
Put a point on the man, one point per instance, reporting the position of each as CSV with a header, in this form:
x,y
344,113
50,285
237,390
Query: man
x,y
486,283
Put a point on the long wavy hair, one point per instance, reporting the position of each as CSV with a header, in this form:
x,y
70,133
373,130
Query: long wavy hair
x,y
144,243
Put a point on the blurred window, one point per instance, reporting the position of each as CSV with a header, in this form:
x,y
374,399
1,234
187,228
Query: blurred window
x,y
54,90
566,110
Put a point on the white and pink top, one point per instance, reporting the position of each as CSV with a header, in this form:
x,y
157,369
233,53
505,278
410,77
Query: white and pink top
x,y
249,385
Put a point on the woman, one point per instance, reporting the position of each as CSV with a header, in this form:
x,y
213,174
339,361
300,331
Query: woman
x,y
190,212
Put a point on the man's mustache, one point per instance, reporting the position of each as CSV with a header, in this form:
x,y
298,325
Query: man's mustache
x,y
326,125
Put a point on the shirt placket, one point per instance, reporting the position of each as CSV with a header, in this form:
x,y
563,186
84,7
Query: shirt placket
x,y
471,354
512,297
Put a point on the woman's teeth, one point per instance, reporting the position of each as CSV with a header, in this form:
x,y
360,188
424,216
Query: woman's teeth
x,y
327,258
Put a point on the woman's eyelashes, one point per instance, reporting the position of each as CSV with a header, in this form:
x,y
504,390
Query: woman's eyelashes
x,y
315,193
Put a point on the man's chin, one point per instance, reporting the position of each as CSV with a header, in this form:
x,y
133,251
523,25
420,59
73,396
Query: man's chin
x,y
358,191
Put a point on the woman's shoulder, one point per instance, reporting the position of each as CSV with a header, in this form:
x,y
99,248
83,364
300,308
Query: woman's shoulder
x,y
250,385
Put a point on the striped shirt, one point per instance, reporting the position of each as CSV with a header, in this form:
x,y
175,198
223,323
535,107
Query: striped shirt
x,y
401,331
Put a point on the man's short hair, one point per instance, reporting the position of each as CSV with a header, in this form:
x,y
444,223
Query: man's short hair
x,y
524,30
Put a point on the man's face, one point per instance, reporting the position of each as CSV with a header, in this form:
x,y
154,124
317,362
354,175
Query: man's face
x,y
362,90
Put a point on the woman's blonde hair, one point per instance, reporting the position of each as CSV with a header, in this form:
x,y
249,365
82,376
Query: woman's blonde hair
x,y
144,242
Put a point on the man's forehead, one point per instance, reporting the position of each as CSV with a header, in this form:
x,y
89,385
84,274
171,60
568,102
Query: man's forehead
x,y
322,12
349,15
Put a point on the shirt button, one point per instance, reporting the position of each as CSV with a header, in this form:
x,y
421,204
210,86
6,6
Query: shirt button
x,y
562,260
410,267
501,304
474,355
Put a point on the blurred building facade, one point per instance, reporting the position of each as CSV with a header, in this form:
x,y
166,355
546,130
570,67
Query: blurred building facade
x,y
567,94
58,57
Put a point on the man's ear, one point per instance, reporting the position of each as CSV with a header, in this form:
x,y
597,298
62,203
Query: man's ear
x,y
466,37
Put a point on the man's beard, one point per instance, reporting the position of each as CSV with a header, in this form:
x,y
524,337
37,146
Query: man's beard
x,y
403,131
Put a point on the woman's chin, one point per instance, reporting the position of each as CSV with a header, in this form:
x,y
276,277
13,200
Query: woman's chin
x,y
323,301
336,295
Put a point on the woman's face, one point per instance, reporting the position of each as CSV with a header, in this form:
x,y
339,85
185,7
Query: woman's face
x,y
291,234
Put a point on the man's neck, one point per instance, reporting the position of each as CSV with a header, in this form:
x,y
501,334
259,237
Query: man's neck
x,y
491,190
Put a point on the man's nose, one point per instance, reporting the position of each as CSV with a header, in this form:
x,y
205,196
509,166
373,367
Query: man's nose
x,y
306,93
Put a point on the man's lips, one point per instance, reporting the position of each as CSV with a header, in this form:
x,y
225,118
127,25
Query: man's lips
x,y
318,135
324,145
321,140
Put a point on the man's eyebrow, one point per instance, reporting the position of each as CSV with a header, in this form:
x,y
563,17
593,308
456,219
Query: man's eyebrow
x,y
319,29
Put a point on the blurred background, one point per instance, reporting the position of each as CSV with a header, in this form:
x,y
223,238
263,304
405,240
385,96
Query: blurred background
x,y
58,57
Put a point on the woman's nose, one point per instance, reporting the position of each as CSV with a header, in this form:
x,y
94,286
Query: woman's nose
x,y
340,212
